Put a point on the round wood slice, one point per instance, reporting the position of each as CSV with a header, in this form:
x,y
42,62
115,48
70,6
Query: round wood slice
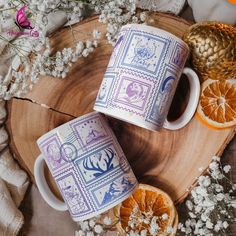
x,y
166,159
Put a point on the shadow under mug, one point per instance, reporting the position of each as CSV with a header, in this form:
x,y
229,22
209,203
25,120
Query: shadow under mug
x,y
88,166
142,76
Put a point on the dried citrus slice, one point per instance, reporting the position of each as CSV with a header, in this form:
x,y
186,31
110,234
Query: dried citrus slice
x,y
150,209
217,105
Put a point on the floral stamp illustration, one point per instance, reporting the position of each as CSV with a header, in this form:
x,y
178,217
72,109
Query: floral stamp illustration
x,y
145,52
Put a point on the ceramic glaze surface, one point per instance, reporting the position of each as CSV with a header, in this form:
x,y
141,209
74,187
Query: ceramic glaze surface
x,y
88,165
142,76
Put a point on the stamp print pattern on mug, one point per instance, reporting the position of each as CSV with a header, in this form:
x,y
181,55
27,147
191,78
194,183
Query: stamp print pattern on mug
x,y
74,195
89,166
141,55
158,111
132,95
51,149
145,52
106,89
142,77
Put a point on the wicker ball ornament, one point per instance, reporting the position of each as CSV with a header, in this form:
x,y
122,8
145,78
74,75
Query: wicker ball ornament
x,y
213,50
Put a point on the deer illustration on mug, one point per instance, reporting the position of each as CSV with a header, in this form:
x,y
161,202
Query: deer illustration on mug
x,y
100,163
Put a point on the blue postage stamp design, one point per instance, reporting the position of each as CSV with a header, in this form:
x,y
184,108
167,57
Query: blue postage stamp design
x,y
163,98
106,89
145,52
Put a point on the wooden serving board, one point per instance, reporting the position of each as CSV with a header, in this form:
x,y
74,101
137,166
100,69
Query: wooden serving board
x,y
167,159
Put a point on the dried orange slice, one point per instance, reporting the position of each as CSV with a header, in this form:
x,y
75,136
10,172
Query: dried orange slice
x,y
217,105
149,209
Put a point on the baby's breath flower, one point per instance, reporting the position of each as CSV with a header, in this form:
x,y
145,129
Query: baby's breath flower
x,y
115,13
216,158
92,223
154,227
84,225
164,216
189,204
79,233
107,220
211,203
98,229
209,225
90,233
227,168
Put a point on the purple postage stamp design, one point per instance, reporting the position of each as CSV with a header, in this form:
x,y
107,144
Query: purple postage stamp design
x,y
51,149
90,131
132,93
71,191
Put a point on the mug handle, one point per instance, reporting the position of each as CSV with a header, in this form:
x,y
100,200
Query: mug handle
x,y
192,103
43,187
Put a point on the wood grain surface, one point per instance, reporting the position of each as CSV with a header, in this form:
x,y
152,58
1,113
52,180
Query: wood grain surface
x,y
168,159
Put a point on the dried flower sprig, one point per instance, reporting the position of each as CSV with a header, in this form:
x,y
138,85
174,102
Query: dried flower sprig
x,y
105,224
142,224
212,203
18,83
114,13
96,226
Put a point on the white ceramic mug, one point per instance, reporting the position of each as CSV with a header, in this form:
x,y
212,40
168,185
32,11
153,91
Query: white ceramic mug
x,y
88,166
142,77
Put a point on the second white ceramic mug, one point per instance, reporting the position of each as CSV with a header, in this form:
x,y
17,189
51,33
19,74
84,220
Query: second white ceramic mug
x,y
142,77
88,166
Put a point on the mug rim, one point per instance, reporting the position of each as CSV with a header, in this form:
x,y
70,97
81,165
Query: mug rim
x,y
149,27
42,137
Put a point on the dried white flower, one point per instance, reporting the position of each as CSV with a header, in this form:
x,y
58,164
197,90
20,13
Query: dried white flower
x,y
107,220
92,223
79,233
143,16
164,216
227,168
209,225
154,227
98,229
189,204
115,13
216,158
211,203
